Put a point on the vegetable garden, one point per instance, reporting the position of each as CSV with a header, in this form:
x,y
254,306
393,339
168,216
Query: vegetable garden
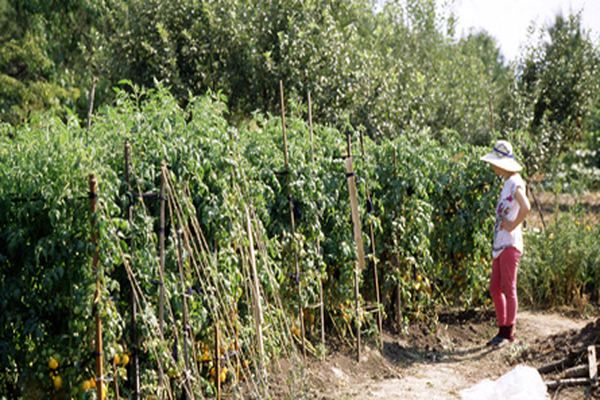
x,y
212,242
175,242
222,267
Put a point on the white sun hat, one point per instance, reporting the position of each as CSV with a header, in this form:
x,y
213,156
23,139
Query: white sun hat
x,y
502,157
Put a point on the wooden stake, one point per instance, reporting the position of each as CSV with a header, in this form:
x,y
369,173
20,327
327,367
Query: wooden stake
x,y
257,306
292,220
374,254
93,186
312,147
360,252
134,367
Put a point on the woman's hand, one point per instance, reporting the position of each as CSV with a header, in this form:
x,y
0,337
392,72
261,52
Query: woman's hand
x,y
507,225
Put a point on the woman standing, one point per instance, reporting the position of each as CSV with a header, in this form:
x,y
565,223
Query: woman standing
x,y
511,210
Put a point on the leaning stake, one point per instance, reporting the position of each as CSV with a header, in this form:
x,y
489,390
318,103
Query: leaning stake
x,y
217,365
187,337
258,315
161,271
360,252
93,184
373,254
312,148
134,368
292,221
161,265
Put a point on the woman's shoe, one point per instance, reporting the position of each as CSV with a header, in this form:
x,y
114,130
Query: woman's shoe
x,y
498,341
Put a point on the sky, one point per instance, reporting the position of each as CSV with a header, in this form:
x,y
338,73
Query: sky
x,y
508,20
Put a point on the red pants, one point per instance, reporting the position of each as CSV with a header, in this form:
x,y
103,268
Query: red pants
x,y
503,286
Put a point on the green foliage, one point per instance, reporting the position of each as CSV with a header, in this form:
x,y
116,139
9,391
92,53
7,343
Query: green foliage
x,y
419,203
558,81
388,71
431,210
560,265
435,202
43,48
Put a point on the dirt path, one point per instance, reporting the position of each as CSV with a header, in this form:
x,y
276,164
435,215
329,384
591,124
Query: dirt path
x,y
433,366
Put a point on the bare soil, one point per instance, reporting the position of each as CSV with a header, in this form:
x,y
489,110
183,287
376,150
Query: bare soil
x,y
438,364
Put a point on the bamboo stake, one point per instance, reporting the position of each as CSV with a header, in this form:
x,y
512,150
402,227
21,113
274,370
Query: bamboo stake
x,y
93,186
161,267
116,381
312,147
373,253
186,324
91,102
141,301
161,233
360,252
399,316
491,112
258,314
217,365
134,368
292,221
196,246
537,206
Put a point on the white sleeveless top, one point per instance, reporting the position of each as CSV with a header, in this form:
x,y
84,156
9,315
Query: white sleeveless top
x,y
508,208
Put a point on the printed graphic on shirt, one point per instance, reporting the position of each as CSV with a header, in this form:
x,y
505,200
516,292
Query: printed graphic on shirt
x,y
508,208
505,206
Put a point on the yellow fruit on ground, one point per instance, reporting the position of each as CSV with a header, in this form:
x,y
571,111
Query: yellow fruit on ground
x,y
223,376
125,359
57,380
86,386
205,356
52,363
296,331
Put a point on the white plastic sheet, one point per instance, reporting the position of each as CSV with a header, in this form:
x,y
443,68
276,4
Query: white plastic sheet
x,y
521,383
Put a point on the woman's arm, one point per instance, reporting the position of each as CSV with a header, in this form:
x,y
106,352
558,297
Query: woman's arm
x,y
524,205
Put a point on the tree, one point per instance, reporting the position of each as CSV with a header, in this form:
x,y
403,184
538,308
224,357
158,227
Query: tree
x,y
558,80
44,50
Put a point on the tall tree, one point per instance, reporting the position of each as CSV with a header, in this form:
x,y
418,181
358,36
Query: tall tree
x,y
559,79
